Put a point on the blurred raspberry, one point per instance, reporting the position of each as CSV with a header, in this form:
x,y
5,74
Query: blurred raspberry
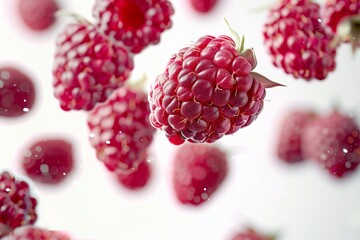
x,y
333,141
198,171
36,233
297,41
120,130
18,207
88,67
135,23
289,142
38,15
48,161
17,92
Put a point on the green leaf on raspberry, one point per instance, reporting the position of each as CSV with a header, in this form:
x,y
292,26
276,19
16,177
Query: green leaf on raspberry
x,y
239,41
265,82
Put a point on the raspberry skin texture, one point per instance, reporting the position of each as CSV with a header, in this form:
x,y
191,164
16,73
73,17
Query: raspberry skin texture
x,y
206,91
37,15
289,144
138,178
298,42
18,206
17,92
250,234
48,161
36,233
203,6
120,130
87,67
135,23
335,11
333,141
198,171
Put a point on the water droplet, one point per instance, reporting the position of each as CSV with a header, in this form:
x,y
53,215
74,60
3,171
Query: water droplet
x,y
5,75
348,164
44,168
26,109
27,153
107,142
345,150
7,189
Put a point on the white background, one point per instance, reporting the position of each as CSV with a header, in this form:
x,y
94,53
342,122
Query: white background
x,y
297,202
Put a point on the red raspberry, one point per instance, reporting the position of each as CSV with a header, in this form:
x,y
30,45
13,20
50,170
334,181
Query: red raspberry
x,y
18,207
289,144
251,234
120,130
138,178
203,6
198,171
334,142
135,23
36,233
343,17
88,67
207,91
297,41
17,92
48,161
335,11
38,15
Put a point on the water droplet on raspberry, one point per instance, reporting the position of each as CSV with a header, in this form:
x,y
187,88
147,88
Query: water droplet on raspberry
x,y
17,92
49,160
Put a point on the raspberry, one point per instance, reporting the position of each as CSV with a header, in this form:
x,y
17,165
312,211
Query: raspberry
x,y
289,144
251,234
17,92
18,207
207,91
138,178
88,67
120,130
203,6
343,17
36,233
335,11
297,41
333,141
135,23
48,160
198,171
38,15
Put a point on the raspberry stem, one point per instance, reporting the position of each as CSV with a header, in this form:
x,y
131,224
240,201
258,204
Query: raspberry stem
x,y
239,42
78,17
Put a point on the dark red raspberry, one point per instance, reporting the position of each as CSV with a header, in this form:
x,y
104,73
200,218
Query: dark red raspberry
x,y
203,6
343,17
17,92
251,234
333,141
48,160
88,67
198,171
297,41
289,142
120,130
134,23
36,233
38,15
207,91
18,207
138,178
